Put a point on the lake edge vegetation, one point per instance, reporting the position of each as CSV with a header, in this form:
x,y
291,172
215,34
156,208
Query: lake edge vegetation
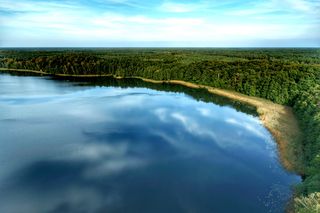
x,y
290,77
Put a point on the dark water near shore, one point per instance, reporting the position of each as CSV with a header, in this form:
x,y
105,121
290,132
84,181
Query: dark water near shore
x,y
130,146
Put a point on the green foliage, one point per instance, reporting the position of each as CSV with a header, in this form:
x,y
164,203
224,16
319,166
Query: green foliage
x,y
285,76
269,73
307,108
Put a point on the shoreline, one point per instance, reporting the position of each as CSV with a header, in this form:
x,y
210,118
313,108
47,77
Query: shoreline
x,y
278,119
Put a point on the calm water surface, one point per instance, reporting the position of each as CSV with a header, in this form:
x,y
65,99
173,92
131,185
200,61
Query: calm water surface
x,y
70,147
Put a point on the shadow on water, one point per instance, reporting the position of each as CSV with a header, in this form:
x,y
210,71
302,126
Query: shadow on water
x,y
197,94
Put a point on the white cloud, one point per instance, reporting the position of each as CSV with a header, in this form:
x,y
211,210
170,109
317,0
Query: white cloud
x,y
178,7
282,7
251,125
302,5
204,111
75,24
24,6
161,113
231,121
114,166
140,28
193,127
97,152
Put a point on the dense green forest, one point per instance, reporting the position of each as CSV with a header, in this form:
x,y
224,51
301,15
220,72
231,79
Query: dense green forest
x,y
285,76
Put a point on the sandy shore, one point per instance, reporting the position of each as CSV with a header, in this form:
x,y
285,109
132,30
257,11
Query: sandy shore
x,y
278,119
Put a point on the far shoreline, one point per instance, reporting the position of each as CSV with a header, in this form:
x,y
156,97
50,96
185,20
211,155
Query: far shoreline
x,y
278,119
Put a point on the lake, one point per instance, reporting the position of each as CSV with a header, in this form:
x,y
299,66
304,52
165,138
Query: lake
x,y
130,146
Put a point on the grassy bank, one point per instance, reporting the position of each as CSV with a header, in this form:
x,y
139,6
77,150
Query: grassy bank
x,y
278,119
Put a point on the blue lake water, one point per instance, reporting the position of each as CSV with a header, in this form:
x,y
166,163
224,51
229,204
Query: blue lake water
x,y
128,147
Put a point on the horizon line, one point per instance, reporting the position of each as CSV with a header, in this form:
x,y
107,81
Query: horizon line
x,y
163,47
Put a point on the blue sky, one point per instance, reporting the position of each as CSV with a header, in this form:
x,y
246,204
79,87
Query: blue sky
x,y
156,23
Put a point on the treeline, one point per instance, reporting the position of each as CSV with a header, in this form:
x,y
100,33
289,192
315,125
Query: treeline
x,y
272,79
307,108
285,76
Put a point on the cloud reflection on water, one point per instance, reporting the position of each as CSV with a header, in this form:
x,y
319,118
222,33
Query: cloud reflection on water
x,y
131,150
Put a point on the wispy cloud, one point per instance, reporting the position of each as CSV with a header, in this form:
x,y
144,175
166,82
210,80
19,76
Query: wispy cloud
x,y
33,7
93,23
173,7
276,7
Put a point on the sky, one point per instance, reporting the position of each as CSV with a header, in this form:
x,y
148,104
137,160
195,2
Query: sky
x,y
159,23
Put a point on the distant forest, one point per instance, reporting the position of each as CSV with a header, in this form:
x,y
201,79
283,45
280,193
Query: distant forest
x,y
285,76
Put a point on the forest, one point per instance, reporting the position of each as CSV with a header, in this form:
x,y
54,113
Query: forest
x,y
285,76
